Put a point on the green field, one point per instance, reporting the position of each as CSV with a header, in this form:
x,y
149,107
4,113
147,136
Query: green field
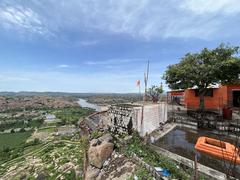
x,y
12,140
71,115
48,129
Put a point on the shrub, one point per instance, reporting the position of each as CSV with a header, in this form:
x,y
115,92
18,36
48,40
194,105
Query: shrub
x,y
22,130
96,134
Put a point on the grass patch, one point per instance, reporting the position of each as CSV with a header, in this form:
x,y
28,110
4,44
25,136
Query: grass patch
x,y
12,140
71,115
96,134
20,122
141,173
32,148
48,130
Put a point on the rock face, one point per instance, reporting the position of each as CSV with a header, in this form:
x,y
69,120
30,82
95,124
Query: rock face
x,y
106,137
106,164
100,152
92,173
95,142
119,168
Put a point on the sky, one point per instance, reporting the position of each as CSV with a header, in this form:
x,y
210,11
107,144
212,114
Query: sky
x,y
104,45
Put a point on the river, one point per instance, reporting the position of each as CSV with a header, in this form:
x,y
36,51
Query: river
x,y
83,103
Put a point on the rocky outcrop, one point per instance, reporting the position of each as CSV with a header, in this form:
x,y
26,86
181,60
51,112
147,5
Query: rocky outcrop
x,y
100,150
106,137
105,163
118,168
92,173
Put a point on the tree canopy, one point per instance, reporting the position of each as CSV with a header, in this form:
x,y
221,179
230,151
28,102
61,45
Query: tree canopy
x,y
208,67
154,92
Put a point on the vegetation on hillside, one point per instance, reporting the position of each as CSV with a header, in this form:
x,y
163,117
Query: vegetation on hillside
x,y
55,159
20,122
12,140
14,144
71,115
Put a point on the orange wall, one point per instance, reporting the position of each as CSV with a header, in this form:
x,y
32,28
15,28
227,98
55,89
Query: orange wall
x,y
219,99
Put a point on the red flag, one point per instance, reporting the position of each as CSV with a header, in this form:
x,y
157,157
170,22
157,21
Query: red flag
x,y
138,83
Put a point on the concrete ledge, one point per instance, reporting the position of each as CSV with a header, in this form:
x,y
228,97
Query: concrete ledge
x,y
186,126
157,134
149,168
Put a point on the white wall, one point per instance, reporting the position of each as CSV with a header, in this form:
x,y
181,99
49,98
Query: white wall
x,y
149,120
145,118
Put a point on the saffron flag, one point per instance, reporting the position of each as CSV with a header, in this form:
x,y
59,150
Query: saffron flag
x,y
138,83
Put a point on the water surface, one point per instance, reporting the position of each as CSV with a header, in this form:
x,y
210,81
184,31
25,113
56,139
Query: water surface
x,y
182,141
83,103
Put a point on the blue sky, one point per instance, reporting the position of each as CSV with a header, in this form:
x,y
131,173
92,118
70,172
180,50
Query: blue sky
x,y
104,45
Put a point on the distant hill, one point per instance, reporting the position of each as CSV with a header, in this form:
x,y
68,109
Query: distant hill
x,y
80,95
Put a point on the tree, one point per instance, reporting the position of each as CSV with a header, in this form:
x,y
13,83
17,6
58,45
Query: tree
x,y
36,141
154,92
22,130
6,149
208,67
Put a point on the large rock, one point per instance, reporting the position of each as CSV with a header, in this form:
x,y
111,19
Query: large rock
x,y
95,142
120,168
92,173
106,137
99,154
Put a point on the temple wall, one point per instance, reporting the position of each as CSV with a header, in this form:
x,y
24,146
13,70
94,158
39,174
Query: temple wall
x,y
144,118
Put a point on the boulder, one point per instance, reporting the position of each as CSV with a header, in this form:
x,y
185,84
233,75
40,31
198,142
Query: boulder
x,y
106,137
92,173
101,176
99,154
95,142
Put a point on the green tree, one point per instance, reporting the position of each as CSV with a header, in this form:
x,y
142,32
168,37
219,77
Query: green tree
x,y
22,130
154,92
208,67
6,150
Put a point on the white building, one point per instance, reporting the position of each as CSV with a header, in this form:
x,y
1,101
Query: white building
x,y
143,118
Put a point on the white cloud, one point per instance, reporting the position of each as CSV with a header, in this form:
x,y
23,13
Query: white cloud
x,y
63,66
87,43
73,82
22,19
140,19
111,62
10,78
212,6
149,20
81,79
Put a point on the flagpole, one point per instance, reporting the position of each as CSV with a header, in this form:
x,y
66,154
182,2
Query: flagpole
x,y
139,89
146,82
139,86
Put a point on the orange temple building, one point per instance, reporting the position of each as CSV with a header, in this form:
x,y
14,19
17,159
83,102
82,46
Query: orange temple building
x,y
216,97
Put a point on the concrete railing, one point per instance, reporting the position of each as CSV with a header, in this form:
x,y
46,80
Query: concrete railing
x,y
149,168
207,171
